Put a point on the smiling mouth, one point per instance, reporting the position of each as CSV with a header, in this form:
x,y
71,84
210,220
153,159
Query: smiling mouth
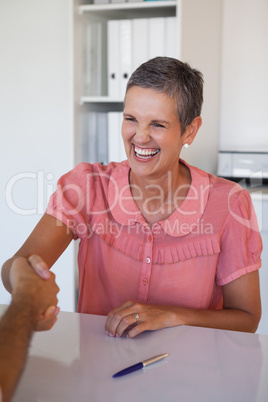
x,y
145,153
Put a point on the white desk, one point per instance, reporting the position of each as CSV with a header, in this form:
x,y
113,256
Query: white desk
x,y
75,362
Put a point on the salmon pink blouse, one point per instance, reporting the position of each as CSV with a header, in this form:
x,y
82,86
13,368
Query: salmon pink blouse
x,y
211,239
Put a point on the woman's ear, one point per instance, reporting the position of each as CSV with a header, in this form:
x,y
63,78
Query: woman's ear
x,y
191,130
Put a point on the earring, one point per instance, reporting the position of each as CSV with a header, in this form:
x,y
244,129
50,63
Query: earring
x,y
186,145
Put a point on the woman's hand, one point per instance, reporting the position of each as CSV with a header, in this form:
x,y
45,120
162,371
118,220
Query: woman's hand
x,y
39,266
241,312
149,317
49,316
47,319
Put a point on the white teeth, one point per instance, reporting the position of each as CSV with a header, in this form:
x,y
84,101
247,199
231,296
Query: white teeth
x,y
145,152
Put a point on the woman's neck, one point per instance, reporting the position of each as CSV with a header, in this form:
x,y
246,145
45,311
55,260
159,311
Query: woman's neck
x,y
157,199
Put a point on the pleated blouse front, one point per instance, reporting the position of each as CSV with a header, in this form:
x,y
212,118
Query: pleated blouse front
x,y
211,239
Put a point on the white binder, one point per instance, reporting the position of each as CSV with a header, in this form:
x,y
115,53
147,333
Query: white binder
x,y
140,44
156,37
170,37
122,155
125,55
93,59
132,42
113,58
102,138
115,142
113,137
89,140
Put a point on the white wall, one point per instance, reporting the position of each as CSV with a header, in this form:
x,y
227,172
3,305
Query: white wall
x,y
244,101
244,83
36,123
201,47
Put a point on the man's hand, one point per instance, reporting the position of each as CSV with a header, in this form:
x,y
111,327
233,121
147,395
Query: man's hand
x,y
34,286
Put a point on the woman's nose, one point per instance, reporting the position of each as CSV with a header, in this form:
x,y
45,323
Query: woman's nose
x,y
142,135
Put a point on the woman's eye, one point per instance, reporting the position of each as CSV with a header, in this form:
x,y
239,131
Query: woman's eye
x,y
159,125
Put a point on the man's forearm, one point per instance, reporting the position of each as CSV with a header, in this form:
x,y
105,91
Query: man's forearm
x,y
16,329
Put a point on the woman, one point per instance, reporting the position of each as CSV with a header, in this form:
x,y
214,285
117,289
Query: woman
x,y
161,243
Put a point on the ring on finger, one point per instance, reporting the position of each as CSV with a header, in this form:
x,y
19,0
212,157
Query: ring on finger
x,y
136,316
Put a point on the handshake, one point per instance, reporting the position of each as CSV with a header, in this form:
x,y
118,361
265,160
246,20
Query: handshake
x,y
34,287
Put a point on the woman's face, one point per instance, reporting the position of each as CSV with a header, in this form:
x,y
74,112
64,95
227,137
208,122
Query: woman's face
x,y
151,133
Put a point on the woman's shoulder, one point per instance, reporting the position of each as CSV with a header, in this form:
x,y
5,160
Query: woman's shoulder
x,y
85,170
216,183
219,189
231,189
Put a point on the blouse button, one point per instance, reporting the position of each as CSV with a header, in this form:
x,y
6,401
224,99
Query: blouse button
x,y
148,260
145,281
150,237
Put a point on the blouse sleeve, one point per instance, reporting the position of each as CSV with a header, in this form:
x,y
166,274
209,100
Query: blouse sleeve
x,y
72,201
241,243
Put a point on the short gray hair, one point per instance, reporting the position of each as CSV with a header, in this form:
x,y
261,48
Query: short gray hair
x,y
175,78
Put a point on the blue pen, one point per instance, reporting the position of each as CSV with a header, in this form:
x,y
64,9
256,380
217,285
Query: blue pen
x,y
140,365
